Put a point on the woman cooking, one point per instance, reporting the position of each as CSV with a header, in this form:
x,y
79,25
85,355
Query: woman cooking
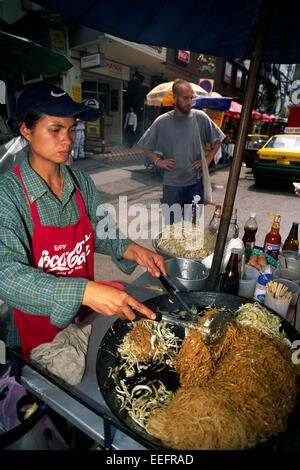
x,y
49,214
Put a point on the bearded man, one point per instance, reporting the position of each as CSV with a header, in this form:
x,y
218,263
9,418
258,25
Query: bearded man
x,y
172,143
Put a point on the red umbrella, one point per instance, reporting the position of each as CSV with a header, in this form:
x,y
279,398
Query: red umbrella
x,y
266,118
256,115
234,111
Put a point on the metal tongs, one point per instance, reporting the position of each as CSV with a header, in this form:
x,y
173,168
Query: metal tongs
x,y
213,330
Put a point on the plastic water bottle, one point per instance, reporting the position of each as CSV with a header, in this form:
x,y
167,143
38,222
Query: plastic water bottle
x,y
250,231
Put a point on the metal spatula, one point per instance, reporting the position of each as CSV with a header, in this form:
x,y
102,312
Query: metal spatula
x,y
214,329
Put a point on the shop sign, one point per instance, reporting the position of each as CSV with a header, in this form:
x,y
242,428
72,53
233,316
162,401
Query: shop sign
x,y
216,116
93,128
92,61
76,93
295,92
227,72
206,63
113,69
58,41
183,56
238,79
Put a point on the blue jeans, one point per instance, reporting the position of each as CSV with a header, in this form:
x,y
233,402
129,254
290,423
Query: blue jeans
x,y
180,195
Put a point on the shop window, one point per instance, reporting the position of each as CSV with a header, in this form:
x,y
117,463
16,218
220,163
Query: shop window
x,y
99,91
89,86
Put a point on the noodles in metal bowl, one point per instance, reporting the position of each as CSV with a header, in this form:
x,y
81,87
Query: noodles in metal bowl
x,y
184,240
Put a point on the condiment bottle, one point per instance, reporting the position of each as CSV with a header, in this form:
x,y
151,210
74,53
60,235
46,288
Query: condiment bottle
x,y
250,229
260,287
215,220
233,229
292,242
273,239
229,281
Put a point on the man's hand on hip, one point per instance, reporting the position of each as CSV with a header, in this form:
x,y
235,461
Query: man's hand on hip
x,y
167,163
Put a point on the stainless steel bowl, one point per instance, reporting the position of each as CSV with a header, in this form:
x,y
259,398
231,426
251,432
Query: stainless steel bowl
x,y
164,253
187,274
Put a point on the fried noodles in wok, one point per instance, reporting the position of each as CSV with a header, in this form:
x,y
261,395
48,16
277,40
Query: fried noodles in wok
x,y
257,372
201,418
231,396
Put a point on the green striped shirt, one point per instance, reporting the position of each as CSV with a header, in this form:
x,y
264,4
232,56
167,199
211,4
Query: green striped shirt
x,y
29,289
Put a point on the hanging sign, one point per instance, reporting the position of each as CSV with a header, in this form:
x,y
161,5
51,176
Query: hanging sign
x,y
92,61
184,56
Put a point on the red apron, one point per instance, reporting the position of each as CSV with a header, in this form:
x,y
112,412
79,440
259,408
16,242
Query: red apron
x,y
61,251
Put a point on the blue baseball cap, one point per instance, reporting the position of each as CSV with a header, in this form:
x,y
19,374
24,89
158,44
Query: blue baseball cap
x,y
44,98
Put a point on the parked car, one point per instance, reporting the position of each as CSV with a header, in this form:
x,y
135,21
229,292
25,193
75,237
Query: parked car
x,y
278,159
253,143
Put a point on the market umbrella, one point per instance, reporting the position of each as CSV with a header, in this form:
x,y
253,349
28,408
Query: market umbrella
x,y
162,94
260,30
256,115
266,118
234,111
19,55
211,102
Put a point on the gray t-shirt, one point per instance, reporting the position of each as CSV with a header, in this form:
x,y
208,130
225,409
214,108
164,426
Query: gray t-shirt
x,y
177,137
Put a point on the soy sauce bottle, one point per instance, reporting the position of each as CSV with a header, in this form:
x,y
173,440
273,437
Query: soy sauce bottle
x,y
229,281
292,242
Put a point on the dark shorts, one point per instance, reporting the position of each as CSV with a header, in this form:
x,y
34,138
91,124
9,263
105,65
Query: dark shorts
x,y
181,195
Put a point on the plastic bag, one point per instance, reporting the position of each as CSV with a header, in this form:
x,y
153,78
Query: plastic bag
x,y
8,410
233,243
207,189
36,432
12,153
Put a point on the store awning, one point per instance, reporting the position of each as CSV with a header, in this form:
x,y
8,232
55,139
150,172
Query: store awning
x,y
19,55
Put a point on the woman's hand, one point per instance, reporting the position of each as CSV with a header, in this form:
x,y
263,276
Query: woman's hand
x,y
111,301
144,257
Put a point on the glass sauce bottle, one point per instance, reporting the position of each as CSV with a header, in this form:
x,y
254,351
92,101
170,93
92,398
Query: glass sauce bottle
x,y
229,281
292,242
273,239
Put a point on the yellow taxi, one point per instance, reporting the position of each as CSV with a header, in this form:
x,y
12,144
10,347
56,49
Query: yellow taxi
x,y
278,159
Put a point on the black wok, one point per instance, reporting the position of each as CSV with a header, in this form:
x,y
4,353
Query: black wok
x,y
108,357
